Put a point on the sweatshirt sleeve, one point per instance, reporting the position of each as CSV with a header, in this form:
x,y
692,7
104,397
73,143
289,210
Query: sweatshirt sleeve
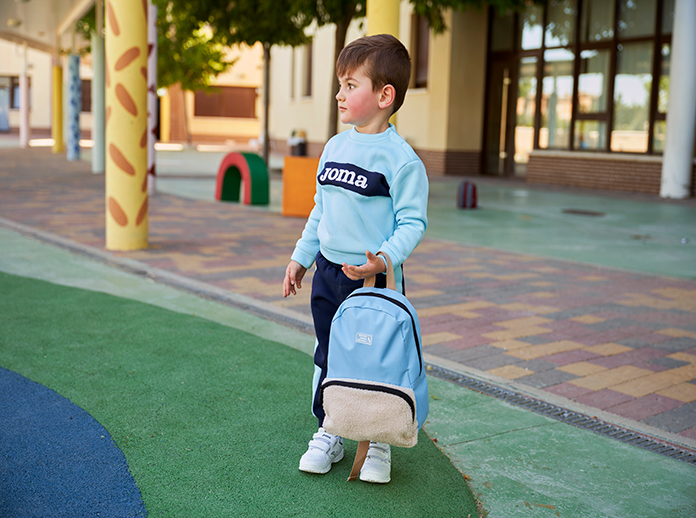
x,y
307,247
410,199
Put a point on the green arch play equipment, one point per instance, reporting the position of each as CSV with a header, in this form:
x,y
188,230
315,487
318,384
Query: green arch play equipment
x,y
247,170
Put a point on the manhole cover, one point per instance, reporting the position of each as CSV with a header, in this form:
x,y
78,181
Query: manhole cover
x,y
583,212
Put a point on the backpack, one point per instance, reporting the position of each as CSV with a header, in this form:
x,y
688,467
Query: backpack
x,y
466,195
375,388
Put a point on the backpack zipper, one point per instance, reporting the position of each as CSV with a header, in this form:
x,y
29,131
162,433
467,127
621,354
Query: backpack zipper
x,y
402,306
377,388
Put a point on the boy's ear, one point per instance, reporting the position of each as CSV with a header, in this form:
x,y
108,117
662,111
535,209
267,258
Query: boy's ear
x,y
387,96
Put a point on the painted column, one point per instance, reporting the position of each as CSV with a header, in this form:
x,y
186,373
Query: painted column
x,y
74,107
678,160
24,128
57,122
383,17
98,100
152,113
126,125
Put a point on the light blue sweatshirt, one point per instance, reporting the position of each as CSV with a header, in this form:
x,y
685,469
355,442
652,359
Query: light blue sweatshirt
x,y
372,194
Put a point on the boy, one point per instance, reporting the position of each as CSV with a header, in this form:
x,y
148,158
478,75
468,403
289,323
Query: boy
x,y
372,194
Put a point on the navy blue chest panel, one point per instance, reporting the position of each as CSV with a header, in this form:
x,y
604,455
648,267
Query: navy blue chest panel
x,y
354,178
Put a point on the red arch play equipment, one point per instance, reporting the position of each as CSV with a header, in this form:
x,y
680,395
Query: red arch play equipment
x,y
245,170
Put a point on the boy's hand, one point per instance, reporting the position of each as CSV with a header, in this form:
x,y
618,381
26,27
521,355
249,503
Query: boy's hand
x,y
373,266
293,276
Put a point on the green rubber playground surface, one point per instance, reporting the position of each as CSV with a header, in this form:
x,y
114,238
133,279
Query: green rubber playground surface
x,y
212,420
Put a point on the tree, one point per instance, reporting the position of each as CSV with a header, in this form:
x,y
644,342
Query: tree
x,y
269,22
340,13
187,53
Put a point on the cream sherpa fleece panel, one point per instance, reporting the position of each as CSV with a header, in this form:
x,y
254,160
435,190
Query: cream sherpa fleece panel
x,y
367,415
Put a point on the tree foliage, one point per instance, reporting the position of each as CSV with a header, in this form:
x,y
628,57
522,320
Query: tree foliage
x,y
433,10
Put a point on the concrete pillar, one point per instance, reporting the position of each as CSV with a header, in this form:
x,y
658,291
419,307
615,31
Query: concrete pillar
x,y
152,113
126,125
57,119
74,107
98,93
24,128
678,160
383,17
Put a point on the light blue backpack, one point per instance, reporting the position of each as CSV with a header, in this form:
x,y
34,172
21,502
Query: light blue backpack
x,y
376,388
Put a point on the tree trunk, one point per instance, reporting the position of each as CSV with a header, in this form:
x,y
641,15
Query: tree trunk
x,y
266,99
339,43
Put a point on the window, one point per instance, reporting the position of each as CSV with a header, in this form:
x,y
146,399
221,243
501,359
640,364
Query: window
x,y
560,23
556,99
636,18
420,40
589,74
531,27
597,21
632,86
226,101
86,96
12,84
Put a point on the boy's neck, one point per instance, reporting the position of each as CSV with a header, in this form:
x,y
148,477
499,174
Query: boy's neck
x,y
377,127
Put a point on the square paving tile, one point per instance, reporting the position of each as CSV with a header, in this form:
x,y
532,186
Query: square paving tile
x,y
491,362
577,355
546,378
668,363
535,340
603,398
567,390
645,407
677,344
675,420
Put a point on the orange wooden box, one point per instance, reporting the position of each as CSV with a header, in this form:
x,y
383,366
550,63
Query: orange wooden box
x,y
299,185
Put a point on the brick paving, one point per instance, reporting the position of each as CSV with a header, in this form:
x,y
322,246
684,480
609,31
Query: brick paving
x,y
618,341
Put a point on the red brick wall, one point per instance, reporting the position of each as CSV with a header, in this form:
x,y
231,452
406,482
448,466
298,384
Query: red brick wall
x,y
450,163
595,172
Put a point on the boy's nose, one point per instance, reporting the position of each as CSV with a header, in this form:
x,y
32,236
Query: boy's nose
x,y
339,95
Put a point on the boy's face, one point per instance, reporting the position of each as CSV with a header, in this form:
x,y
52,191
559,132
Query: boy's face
x,y
360,105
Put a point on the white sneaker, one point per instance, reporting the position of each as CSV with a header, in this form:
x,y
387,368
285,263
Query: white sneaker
x,y
377,466
324,450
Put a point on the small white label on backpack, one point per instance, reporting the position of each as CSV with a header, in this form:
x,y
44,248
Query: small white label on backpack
x,y
362,338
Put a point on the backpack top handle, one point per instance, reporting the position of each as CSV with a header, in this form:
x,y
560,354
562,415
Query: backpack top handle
x,y
391,279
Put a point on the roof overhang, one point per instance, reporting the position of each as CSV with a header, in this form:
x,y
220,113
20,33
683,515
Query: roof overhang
x,y
44,25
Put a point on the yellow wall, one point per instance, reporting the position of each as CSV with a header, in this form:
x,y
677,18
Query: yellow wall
x,y
468,80
310,114
446,115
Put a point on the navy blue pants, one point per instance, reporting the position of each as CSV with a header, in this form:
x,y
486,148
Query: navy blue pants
x,y
330,287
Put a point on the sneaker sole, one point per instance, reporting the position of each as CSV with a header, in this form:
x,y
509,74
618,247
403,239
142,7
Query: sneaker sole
x,y
320,471
373,479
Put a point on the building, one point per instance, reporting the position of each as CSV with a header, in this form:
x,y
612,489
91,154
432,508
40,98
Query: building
x,y
575,93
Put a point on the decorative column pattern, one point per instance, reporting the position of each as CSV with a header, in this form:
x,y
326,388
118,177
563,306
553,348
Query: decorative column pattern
x,y
383,17
152,112
74,106
678,159
57,122
98,101
126,124
24,128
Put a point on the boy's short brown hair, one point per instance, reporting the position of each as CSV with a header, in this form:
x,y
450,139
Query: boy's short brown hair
x,y
385,61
